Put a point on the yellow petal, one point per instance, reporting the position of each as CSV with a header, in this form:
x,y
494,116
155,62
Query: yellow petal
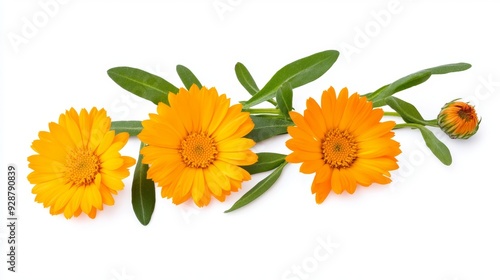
x,y
198,188
113,163
311,166
112,182
327,103
235,145
61,135
107,198
86,204
347,180
230,170
301,123
185,183
64,198
220,111
339,108
336,181
207,110
73,129
216,180
76,201
105,143
314,117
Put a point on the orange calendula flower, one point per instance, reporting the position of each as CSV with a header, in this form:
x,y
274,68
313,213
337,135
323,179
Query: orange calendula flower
x,y
195,146
458,120
78,166
343,142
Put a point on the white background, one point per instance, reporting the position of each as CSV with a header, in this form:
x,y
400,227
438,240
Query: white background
x,y
433,222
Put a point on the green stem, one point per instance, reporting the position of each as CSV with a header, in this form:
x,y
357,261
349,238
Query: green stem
x,y
403,125
263,111
392,114
416,125
273,102
433,123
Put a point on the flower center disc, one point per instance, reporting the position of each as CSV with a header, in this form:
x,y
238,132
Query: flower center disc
x,y
465,113
339,149
82,166
198,150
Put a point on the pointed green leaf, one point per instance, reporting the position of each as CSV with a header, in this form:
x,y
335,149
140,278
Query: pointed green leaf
x,y
143,192
246,80
284,97
449,68
372,95
408,112
187,77
437,147
142,83
412,80
266,162
267,127
258,189
399,85
297,73
132,127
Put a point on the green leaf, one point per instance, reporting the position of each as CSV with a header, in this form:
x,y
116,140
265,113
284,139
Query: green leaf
x,y
246,80
284,97
399,85
143,192
297,73
449,68
132,127
266,162
142,83
258,189
187,77
411,80
437,147
267,127
406,110
372,95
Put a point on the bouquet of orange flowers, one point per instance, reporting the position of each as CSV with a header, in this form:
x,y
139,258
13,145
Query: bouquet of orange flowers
x,y
198,145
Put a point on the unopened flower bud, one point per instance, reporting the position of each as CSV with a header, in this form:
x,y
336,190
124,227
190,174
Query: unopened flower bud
x,y
458,119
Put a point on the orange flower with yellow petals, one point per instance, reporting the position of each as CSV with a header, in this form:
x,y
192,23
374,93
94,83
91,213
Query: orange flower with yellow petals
x,y
195,146
78,167
343,142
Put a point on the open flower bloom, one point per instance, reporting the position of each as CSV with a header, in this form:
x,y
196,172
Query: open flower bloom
x,y
458,120
195,146
78,166
343,142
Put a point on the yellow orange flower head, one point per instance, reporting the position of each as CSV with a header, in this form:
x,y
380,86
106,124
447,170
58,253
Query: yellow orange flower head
x,y
78,166
458,120
343,142
195,146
